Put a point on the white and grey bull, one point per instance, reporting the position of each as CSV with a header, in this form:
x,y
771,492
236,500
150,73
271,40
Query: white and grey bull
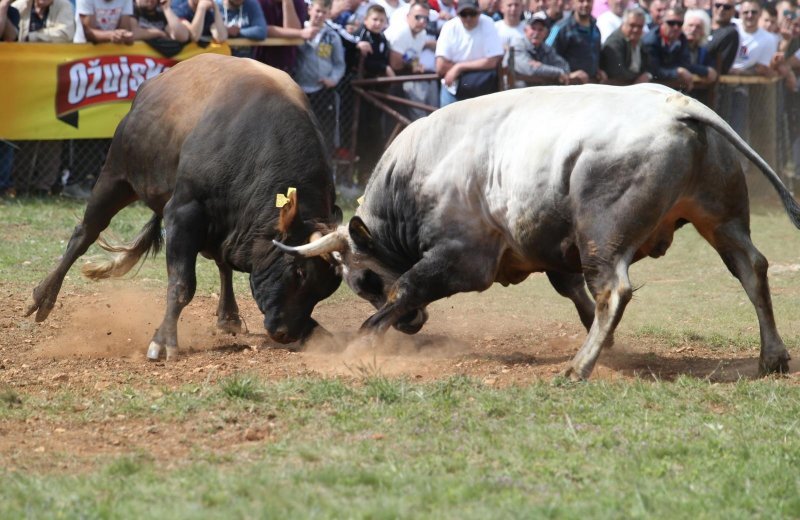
x,y
578,182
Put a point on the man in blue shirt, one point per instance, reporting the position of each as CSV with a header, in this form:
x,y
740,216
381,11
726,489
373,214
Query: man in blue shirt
x,y
243,19
577,40
203,18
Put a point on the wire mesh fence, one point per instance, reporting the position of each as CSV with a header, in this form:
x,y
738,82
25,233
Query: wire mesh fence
x,y
356,134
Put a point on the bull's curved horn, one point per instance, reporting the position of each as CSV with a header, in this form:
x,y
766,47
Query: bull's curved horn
x,y
336,241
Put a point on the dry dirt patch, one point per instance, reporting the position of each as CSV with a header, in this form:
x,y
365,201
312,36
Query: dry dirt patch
x,y
96,339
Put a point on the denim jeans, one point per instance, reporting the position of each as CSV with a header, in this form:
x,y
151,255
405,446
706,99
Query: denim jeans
x,y
6,164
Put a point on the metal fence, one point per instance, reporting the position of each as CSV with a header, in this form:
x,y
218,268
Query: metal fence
x,y
356,133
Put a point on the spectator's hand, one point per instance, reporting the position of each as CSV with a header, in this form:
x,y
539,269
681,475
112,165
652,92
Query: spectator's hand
x,y
563,79
452,75
204,5
685,79
121,36
785,29
776,61
308,33
417,68
364,47
578,77
535,64
602,77
234,31
390,73
644,77
712,75
328,83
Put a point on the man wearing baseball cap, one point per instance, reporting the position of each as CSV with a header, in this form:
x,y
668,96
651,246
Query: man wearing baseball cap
x,y
467,54
535,62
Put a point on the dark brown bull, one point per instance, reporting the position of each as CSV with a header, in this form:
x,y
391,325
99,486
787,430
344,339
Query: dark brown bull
x,y
208,146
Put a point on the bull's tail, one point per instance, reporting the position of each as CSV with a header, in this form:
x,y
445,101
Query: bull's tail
x,y
696,110
124,257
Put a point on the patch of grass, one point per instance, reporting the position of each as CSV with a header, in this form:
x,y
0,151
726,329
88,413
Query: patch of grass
x,y
675,338
242,386
458,449
129,465
9,397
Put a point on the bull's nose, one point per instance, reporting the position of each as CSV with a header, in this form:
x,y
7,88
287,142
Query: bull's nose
x,y
281,335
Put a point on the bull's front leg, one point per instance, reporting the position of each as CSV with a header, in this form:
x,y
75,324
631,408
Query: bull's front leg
x,y
442,272
186,227
228,319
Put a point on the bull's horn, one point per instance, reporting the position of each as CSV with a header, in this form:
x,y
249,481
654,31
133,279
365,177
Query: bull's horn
x,y
336,241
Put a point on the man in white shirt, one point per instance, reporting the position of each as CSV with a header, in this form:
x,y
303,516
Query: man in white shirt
x,y
466,44
610,20
100,21
756,46
511,26
409,41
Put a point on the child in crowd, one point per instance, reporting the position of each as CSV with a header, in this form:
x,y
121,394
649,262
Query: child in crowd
x,y
372,43
375,49
320,67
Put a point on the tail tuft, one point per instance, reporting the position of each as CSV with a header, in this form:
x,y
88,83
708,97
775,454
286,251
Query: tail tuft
x,y
124,257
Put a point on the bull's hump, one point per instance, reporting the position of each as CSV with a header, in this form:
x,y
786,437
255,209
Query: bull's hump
x,y
207,76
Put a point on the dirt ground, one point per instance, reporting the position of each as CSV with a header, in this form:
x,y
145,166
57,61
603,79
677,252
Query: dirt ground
x,y
96,338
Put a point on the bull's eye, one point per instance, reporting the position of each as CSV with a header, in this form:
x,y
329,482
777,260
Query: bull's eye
x,y
300,273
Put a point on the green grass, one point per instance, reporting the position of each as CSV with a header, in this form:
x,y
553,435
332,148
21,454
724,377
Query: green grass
x,y
457,449
379,447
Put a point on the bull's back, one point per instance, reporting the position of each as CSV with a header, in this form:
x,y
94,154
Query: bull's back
x,y
518,163
190,100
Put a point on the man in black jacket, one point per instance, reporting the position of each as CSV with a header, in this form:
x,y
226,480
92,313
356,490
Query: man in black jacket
x,y
723,42
623,57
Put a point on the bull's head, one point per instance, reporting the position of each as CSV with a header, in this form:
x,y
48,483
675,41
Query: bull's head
x,y
371,279
287,287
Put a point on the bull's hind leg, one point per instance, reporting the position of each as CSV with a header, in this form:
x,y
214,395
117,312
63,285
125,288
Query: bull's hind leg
x,y
109,196
611,287
185,235
745,262
228,318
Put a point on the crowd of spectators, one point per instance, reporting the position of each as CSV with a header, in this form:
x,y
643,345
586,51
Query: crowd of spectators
x,y
686,44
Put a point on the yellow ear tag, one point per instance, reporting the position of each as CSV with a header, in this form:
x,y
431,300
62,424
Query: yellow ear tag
x,y
360,200
281,199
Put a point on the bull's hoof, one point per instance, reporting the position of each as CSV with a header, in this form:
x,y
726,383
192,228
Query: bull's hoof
x,y
172,353
154,351
573,374
41,307
776,364
231,326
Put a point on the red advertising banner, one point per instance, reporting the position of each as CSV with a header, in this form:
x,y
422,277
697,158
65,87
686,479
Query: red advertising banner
x,y
73,91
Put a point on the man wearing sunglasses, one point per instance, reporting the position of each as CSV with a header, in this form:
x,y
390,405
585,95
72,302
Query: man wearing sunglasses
x,y
756,46
410,48
723,42
668,56
467,44
577,40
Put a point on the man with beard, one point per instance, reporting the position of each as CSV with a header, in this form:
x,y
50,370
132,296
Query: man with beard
x,y
577,40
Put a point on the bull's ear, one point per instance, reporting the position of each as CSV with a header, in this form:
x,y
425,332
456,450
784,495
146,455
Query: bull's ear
x,y
360,234
288,213
337,214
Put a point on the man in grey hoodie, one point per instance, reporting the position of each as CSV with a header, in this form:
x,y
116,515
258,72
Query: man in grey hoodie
x,y
320,67
535,62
